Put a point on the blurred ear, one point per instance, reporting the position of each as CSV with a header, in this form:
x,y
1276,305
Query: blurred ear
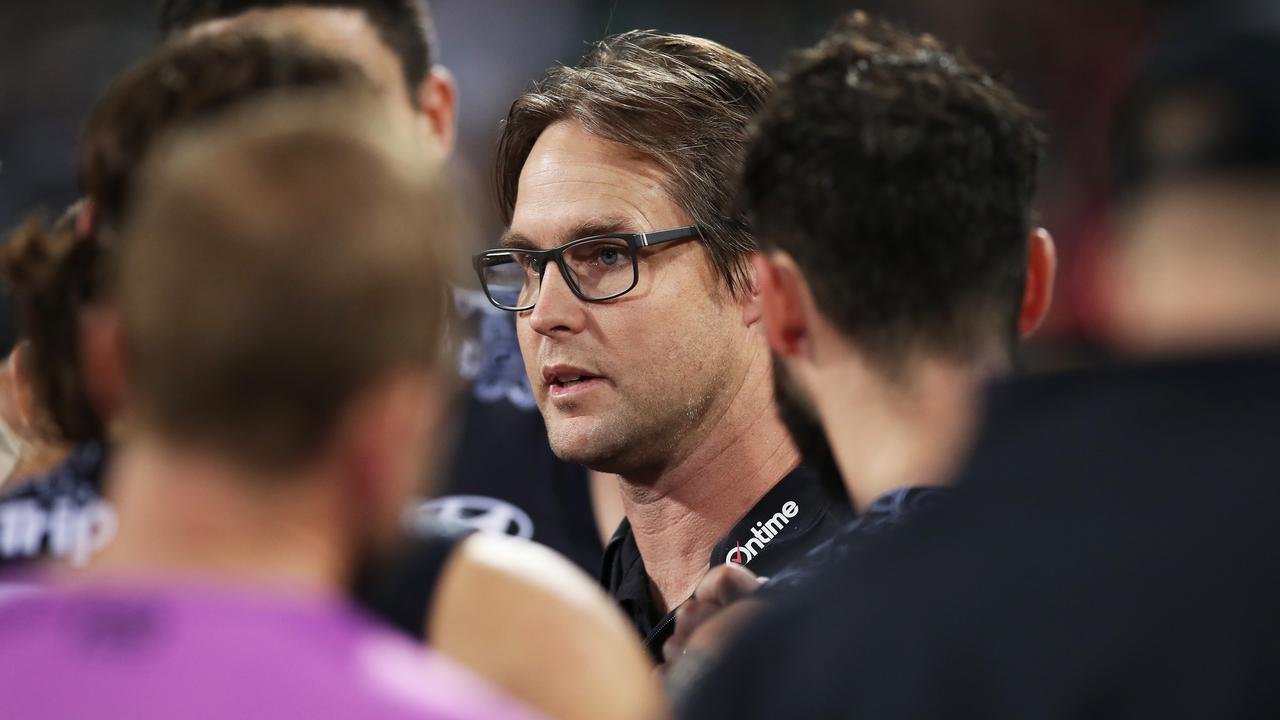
x,y
783,298
438,101
102,360
18,366
384,447
1042,268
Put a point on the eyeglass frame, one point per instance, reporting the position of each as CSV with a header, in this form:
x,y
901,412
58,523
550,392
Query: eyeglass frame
x,y
635,242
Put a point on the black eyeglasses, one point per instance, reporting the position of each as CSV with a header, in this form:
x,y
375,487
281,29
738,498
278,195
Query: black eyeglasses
x,y
596,268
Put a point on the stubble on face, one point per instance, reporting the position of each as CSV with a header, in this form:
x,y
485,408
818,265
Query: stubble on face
x,y
798,416
645,427
670,369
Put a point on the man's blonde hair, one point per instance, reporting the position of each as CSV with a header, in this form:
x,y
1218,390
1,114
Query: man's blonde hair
x,y
283,260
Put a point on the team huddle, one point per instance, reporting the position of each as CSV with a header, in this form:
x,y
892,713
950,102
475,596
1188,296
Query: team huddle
x,y
769,454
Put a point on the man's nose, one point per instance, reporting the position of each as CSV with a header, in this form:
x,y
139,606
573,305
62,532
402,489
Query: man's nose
x,y
557,311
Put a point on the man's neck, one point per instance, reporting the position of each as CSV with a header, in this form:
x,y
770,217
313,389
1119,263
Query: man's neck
x,y
187,514
678,516
888,434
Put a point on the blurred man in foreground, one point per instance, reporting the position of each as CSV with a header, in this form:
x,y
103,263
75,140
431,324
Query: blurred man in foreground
x,y
889,183
525,490
483,600
58,273
638,316
1110,550
274,435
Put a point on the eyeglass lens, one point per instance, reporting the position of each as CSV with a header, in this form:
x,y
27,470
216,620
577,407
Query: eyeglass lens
x,y
600,268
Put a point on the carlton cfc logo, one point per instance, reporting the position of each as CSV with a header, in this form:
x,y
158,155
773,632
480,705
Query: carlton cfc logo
x,y
762,533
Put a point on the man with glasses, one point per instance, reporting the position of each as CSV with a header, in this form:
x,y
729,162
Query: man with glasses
x,y
638,316
596,268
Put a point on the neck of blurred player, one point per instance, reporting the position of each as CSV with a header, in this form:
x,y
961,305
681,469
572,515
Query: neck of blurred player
x,y
1233,316
680,513
194,515
890,433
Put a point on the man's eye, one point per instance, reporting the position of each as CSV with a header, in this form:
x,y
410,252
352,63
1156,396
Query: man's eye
x,y
610,257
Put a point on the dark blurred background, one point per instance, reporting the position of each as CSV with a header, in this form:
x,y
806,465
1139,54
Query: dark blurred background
x,y
1067,58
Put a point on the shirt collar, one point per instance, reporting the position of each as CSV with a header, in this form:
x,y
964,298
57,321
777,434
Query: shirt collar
x,y
778,529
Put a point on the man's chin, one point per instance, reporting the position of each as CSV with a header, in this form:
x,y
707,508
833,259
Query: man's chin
x,y
579,454
580,440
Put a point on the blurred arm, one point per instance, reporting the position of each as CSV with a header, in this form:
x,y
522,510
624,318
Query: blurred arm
x,y
531,623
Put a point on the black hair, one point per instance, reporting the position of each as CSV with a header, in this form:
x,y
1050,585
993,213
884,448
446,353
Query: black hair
x,y
899,176
404,25
1205,102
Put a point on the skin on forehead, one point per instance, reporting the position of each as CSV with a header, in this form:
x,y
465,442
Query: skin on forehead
x,y
346,33
570,189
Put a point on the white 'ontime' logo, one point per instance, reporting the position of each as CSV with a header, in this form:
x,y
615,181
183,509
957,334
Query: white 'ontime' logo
x,y
762,533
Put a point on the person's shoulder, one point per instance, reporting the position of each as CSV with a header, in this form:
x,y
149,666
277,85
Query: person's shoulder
x,y
889,512
527,573
871,610
24,606
399,679
507,607
860,618
161,645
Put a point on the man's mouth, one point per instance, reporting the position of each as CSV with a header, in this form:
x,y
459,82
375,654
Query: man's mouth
x,y
564,380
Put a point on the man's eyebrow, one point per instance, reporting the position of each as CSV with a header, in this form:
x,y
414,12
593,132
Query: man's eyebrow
x,y
601,226
516,241
587,228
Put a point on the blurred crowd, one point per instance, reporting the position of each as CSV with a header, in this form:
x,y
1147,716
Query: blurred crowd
x,y
915,360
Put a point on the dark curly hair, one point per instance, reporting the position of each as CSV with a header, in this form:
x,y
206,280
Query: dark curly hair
x,y
900,177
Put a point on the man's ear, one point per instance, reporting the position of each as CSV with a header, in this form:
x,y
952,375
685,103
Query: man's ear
x,y
438,101
749,296
1042,268
783,299
19,368
103,360
385,443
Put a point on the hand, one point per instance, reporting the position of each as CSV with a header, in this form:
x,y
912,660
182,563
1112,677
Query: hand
x,y
704,622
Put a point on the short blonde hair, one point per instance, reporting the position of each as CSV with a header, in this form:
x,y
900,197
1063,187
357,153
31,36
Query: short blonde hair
x,y
284,259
